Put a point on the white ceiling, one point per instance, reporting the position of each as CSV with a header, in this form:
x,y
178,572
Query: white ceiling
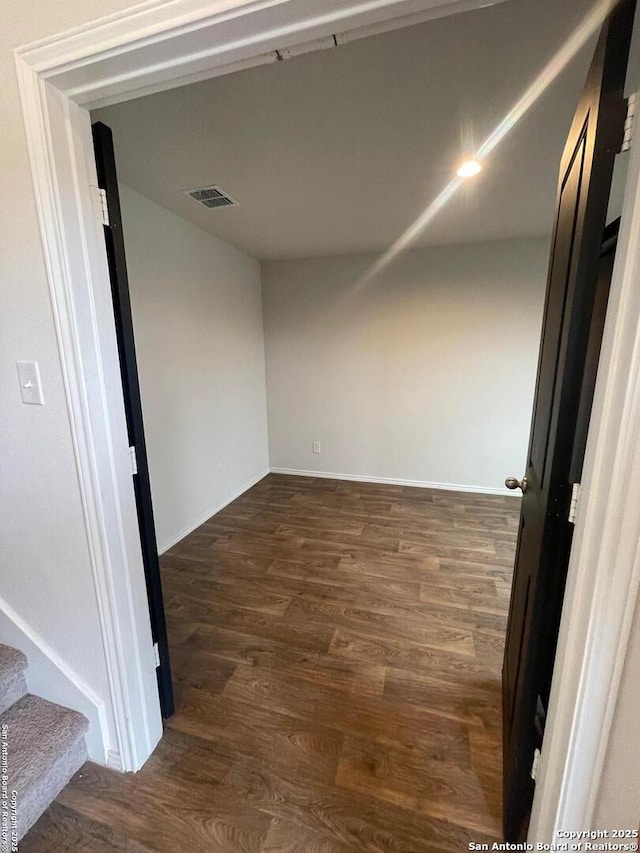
x,y
339,150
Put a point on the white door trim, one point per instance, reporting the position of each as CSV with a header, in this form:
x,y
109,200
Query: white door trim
x,y
165,43
168,42
152,46
59,139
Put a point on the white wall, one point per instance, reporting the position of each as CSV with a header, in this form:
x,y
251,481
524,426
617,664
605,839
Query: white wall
x,y
197,313
425,374
618,805
44,557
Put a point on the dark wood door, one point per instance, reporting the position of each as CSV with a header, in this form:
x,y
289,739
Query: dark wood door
x,y
108,181
571,333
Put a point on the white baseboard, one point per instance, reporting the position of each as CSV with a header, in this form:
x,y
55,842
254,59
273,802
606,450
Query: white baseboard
x,y
393,481
191,527
50,677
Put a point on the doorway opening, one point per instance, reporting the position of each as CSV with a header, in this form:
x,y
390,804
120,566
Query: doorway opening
x,y
330,331
231,191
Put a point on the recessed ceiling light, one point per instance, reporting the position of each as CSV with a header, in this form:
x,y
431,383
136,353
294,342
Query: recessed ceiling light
x,y
469,168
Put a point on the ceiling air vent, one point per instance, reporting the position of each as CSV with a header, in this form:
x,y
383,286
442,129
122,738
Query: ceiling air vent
x,y
211,197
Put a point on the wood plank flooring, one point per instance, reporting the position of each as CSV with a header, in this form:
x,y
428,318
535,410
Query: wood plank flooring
x,y
337,650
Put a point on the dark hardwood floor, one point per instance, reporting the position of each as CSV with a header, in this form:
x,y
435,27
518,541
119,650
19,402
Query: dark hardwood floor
x,y
337,650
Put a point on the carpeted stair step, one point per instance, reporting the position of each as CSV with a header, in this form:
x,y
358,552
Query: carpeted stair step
x,y
12,683
46,747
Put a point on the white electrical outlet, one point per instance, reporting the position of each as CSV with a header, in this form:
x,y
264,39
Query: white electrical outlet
x,y
316,447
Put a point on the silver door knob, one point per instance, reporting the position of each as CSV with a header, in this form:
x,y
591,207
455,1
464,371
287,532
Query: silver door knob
x,y
513,483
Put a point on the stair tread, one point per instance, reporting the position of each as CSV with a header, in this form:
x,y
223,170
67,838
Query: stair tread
x,y
12,662
39,733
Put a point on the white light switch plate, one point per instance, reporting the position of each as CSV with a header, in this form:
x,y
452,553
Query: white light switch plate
x,y
30,385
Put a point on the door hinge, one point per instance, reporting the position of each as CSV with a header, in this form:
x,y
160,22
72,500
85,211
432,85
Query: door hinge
x,y
573,505
133,459
156,654
536,764
100,207
628,122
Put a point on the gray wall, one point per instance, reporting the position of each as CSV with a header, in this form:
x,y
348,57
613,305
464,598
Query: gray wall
x,y
46,561
618,805
425,374
197,314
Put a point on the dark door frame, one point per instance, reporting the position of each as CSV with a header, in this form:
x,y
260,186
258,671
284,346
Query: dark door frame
x,y
114,239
